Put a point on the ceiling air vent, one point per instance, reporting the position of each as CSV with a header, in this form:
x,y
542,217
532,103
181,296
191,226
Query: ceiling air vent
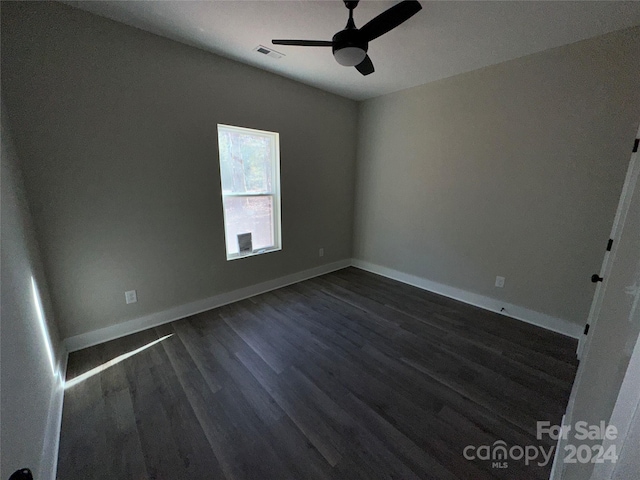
x,y
268,52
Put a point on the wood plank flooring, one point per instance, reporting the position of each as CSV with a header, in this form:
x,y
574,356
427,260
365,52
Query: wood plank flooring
x,y
346,376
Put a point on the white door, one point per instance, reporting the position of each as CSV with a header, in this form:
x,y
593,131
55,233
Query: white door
x,y
614,324
602,277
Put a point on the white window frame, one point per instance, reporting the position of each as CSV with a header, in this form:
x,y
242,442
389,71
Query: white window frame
x,y
274,194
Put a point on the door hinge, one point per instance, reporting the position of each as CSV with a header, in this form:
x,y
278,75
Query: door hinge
x,y
609,244
586,329
635,145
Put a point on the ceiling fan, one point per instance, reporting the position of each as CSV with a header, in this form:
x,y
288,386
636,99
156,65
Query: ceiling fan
x,y
351,44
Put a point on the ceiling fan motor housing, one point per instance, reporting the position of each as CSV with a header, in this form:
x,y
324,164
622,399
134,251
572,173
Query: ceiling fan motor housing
x,y
349,49
351,44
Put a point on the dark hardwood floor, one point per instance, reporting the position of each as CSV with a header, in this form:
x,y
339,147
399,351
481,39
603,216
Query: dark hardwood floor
x,y
345,376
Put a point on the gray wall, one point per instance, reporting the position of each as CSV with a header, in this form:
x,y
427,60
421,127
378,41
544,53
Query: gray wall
x,y
511,170
116,129
31,394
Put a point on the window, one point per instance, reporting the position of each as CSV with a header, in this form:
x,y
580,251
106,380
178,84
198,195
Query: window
x,y
250,177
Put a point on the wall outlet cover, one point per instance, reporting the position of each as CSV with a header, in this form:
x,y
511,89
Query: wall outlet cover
x,y
131,296
499,282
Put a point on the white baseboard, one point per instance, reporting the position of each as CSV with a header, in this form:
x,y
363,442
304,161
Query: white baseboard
x,y
84,340
102,335
49,459
539,319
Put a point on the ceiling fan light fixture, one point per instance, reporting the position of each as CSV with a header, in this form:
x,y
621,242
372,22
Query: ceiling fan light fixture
x,y
350,56
350,44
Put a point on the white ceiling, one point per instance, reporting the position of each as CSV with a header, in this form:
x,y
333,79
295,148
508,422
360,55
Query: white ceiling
x,y
443,39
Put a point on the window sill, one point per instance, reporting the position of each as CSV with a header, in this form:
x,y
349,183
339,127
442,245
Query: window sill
x,y
261,251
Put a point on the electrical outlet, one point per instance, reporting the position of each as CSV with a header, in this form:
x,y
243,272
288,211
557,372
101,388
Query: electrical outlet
x,y
131,296
499,282
321,252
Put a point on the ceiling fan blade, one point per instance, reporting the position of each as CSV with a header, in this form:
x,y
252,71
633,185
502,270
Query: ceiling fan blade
x,y
366,66
390,19
304,43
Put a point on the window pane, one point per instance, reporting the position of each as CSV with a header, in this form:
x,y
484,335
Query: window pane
x,y
248,215
245,162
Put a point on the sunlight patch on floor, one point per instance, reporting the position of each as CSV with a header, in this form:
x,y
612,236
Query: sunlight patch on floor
x,y
111,363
